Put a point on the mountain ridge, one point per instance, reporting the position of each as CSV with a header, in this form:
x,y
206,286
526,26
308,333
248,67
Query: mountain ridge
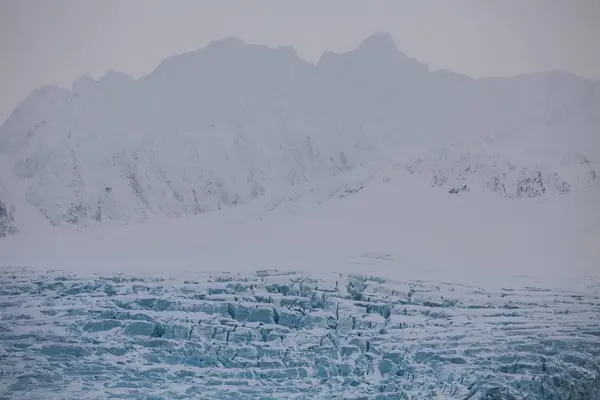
x,y
231,122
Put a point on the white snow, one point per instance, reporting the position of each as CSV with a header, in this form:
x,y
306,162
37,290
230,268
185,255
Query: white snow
x,y
359,227
223,125
426,232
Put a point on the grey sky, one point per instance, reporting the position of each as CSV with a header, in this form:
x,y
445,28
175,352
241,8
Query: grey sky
x,y
56,41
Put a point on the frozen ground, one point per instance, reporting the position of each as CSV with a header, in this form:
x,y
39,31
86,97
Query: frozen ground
x,y
273,334
343,294
327,250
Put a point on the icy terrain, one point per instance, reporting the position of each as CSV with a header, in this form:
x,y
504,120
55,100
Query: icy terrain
x,y
360,228
274,334
385,290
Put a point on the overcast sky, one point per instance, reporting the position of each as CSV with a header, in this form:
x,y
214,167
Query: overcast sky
x,y
55,41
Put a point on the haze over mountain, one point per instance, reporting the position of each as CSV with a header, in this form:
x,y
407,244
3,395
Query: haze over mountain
x,y
362,227
233,122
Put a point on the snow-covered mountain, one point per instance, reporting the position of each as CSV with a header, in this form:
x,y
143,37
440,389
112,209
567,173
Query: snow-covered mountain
x,y
233,122
391,232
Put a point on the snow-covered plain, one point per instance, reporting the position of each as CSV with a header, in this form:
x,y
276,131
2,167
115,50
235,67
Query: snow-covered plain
x,y
344,294
362,228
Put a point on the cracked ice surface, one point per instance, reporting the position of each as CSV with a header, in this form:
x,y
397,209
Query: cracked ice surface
x,y
271,334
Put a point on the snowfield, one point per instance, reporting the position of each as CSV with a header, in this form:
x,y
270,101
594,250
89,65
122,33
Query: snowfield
x,y
241,224
338,295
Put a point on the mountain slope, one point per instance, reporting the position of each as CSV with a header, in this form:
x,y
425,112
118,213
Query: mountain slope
x,y
229,123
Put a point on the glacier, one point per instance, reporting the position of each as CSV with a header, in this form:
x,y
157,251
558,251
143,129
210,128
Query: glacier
x,y
373,288
243,224
277,334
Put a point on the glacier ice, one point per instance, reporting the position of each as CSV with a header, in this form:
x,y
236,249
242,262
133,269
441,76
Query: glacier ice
x,y
274,334
7,223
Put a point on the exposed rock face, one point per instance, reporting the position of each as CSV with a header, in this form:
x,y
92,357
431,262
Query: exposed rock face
x,y
6,221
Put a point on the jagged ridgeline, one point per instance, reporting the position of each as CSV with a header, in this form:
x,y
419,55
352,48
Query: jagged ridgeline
x,y
232,122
